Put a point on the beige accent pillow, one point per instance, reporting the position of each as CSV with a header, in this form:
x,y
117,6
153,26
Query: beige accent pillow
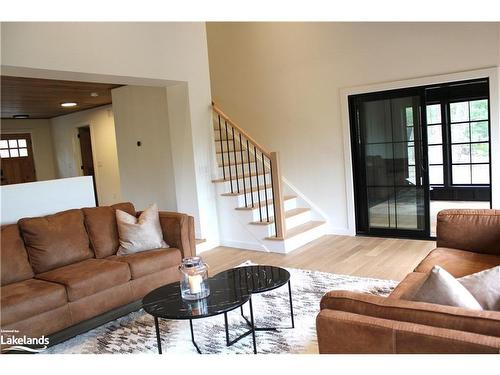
x,y
485,287
139,234
443,289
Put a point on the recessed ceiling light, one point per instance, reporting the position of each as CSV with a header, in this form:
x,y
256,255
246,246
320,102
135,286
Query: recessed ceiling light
x,y
68,104
20,116
94,94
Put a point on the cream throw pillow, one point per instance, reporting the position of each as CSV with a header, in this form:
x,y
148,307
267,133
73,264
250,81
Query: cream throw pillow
x,y
139,234
443,289
485,287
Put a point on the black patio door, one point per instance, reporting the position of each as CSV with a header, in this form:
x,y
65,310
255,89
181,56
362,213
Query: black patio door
x,y
391,181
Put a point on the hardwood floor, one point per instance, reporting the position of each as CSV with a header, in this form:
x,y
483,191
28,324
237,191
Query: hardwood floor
x,y
383,258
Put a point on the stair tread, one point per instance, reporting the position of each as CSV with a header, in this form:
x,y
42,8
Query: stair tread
x,y
288,214
238,177
263,203
216,139
225,151
298,230
248,190
252,162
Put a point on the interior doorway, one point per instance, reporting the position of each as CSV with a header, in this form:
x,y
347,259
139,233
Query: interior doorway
x,y
86,155
417,151
17,162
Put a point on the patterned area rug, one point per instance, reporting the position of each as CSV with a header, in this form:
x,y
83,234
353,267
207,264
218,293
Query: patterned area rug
x,y
135,332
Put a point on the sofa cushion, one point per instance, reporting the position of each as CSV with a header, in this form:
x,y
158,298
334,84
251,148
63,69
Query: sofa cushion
x,y
55,240
102,229
485,287
140,233
151,261
88,277
443,289
458,262
28,298
14,259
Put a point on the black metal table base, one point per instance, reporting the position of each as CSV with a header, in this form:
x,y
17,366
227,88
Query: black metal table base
x,y
250,331
249,323
229,343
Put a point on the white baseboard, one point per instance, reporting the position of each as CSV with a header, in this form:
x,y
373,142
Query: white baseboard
x,y
244,245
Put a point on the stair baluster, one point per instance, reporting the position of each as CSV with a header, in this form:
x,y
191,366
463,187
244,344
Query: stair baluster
x,y
221,148
228,157
250,173
243,171
235,162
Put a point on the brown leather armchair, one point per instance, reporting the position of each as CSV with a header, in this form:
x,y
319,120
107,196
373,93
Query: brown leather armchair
x,y
468,241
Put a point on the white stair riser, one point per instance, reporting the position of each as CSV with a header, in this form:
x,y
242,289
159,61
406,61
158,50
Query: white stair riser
x,y
239,200
229,157
232,146
248,180
253,214
296,220
217,137
239,168
295,242
263,231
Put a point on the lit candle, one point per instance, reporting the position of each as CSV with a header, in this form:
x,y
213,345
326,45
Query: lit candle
x,y
195,283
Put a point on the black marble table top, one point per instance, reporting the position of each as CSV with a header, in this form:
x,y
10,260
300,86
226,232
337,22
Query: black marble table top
x,y
227,292
258,278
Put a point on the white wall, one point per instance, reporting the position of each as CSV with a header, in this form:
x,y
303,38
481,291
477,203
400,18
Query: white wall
x,y
282,83
146,171
41,139
68,155
129,53
45,197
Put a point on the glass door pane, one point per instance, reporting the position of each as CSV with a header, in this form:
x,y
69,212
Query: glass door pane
x,y
390,179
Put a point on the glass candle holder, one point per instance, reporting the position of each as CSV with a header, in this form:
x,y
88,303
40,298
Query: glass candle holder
x,y
194,280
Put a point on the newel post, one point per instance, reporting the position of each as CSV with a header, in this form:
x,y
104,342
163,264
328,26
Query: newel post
x,y
279,216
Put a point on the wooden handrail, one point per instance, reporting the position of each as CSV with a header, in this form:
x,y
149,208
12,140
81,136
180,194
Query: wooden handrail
x,y
243,133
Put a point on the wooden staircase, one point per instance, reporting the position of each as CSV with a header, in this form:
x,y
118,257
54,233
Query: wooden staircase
x,y
249,182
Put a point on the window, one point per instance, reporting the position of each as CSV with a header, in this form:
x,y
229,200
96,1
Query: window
x,y
410,148
470,153
13,148
435,142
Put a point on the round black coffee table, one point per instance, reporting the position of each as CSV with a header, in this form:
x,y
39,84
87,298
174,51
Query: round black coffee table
x,y
227,292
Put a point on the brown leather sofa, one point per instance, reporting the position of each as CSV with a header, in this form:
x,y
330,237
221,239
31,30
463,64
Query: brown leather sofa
x,y
61,275
468,241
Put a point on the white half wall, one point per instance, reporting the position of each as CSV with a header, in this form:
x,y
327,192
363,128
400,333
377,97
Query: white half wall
x,y
68,154
45,197
41,139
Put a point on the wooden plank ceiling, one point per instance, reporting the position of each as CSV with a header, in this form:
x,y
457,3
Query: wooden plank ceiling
x,y
42,98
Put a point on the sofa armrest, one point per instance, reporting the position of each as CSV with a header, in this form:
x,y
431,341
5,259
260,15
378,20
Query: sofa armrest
x,y
178,232
341,332
439,316
472,230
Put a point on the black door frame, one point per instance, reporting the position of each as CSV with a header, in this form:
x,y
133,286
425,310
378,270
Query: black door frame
x,y
358,166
